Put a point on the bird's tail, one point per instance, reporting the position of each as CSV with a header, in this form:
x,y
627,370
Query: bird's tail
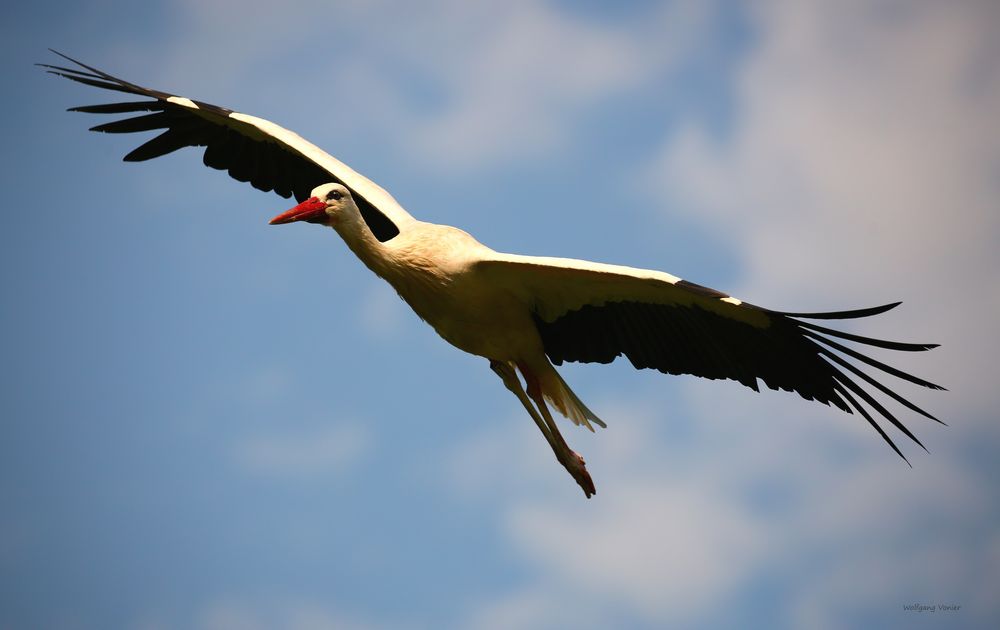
x,y
568,404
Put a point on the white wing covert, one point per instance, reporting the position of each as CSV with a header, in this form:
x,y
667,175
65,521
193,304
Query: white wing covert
x,y
250,149
589,312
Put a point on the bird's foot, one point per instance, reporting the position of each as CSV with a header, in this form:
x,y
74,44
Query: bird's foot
x,y
576,467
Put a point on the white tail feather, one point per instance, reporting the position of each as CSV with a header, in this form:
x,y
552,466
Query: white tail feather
x,y
569,405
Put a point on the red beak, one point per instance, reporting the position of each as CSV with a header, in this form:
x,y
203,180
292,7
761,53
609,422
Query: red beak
x,y
312,210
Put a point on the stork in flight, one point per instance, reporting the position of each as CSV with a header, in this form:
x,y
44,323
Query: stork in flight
x,y
522,313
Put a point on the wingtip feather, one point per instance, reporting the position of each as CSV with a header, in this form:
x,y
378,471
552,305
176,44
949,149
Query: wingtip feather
x,y
851,314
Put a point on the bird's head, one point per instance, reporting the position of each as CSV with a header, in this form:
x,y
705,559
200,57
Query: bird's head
x,y
328,204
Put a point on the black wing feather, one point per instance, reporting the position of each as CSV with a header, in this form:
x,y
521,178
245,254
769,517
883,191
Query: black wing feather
x,y
159,120
861,312
266,163
166,142
688,339
120,108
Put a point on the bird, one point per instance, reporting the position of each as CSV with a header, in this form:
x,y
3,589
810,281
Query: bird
x,y
525,315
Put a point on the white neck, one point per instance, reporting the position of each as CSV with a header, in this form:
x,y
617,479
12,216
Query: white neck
x,y
362,242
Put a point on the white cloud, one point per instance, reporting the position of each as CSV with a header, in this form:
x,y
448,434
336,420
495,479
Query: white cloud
x,y
657,540
530,609
525,75
330,450
662,548
866,152
761,489
497,81
235,614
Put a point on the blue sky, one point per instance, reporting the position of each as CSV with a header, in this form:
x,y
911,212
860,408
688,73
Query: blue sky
x,y
211,423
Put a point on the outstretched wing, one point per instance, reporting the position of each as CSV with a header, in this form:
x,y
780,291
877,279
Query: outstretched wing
x,y
251,149
590,312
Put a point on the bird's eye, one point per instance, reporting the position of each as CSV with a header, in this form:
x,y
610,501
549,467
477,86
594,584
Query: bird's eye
x,y
334,194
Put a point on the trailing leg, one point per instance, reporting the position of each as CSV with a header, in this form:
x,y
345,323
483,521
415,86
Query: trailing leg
x,y
570,460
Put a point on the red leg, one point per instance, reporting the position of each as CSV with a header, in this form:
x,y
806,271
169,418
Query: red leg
x,y
570,459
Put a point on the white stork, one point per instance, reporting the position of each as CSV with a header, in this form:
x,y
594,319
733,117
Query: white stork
x,y
522,313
